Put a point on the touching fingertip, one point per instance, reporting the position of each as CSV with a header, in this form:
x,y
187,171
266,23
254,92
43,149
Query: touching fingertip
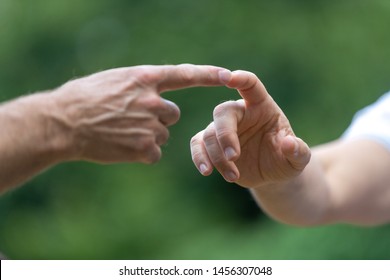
x,y
225,76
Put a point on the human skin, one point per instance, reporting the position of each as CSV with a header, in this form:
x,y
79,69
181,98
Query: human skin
x,y
112,116
251,142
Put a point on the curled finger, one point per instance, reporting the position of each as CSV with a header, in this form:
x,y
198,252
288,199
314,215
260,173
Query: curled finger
x,y
169,113
199,154
227,115
226,167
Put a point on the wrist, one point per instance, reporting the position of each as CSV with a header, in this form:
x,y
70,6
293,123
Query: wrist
x,y
57,132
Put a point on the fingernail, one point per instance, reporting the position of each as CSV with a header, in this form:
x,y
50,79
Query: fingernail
x,y
231,176
203,168
230,153
225,76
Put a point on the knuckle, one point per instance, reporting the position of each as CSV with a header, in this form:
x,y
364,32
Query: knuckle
x,y
193,141
146,76
209,135
196,139
187,74
218,160
224,133
196,147
221,109
152,102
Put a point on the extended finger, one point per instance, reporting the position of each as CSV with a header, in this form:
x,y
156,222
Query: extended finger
x,y
173,77
199,154
226,118
248,85
227,168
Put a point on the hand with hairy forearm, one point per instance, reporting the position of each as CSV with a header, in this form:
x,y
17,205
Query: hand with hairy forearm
x,y
116,115
250,142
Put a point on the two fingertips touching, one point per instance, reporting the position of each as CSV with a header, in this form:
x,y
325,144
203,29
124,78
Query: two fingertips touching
x,y
225,76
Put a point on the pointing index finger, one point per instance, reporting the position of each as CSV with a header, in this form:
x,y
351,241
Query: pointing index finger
x,y
188,75
248,85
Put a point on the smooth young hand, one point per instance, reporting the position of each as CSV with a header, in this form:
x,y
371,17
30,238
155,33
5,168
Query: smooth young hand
x,y
250,141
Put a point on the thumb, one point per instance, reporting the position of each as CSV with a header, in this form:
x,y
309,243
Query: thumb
x,y
296,151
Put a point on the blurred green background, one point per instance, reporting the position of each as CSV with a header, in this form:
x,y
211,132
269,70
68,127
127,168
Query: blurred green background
x,y
320,60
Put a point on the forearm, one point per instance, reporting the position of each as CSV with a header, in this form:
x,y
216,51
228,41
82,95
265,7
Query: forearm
x,y
32,138
345,181
304,201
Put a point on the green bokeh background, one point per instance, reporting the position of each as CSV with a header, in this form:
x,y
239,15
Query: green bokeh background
x,y
320,60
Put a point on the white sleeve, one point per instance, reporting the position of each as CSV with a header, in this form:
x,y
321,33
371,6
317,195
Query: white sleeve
x,y
372,122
